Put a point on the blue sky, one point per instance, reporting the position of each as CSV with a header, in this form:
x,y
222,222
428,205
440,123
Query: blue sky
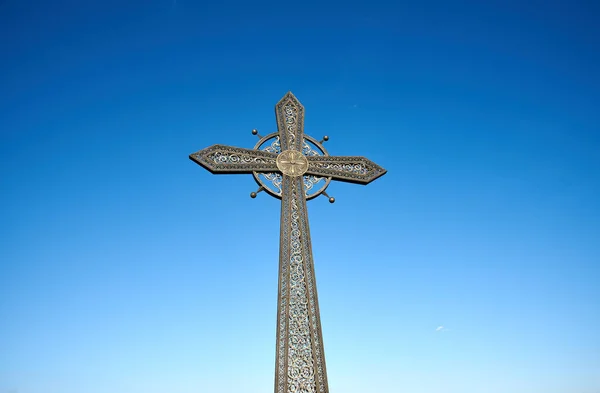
x,y
472,266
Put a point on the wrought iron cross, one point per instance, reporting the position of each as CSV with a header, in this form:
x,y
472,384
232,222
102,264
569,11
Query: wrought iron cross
x,y
293,167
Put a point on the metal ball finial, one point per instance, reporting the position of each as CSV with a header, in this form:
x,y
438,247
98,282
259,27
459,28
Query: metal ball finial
x,y
325,138
254,131
253,194
331,200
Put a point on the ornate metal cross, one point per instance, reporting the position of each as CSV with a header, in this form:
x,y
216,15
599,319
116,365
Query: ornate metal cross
x,y
293,167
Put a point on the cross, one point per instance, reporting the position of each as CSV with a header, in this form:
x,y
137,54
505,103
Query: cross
x,y
293,167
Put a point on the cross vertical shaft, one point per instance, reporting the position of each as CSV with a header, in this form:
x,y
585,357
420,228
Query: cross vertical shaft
x,y
300,365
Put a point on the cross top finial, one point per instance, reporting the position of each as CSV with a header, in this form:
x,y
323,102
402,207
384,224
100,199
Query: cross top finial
x,y
290,97
290,122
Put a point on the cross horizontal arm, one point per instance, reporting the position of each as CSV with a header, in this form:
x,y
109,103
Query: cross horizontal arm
x,y
228,159
345,168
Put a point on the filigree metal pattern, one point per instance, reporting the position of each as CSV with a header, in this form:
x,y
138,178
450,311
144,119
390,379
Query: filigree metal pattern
x,y
274,147
308,151
282,299
227,159
301,370
313,303
300,365
275,179
235,158
313,185
352,169
310,181
290,122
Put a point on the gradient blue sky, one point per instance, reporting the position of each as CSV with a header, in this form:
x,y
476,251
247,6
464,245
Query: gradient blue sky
x,y
125,267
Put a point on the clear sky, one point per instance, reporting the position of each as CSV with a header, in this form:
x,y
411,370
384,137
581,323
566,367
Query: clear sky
x,y
472,266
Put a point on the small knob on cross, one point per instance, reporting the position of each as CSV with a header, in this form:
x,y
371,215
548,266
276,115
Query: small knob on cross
x,y
331,199
253,194
255,132
325,139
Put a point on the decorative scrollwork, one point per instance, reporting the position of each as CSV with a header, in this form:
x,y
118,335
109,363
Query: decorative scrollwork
x,y
355,168
271,181
274,147
275,179
352,169
227,159
301,367
310,181
291,123
308,151
315,323
282,301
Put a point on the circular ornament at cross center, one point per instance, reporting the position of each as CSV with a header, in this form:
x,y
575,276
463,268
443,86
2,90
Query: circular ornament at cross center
x,y
292,163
